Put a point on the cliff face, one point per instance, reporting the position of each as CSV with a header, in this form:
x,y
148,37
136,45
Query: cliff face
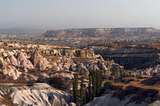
x,y
71,53
100,32
130,57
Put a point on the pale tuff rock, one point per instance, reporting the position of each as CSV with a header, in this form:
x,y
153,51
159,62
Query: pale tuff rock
x,y
100,57
82,71
150,71
20,57
72,104
101,65
64,74
13,60
1,50
6,59
23,61
108,100
56,101
2,105
41,65
35,57
44,75
68,52
10,71
30,77
38,61
79,65
73,66
60,66
93,67
56,68
4,54
10,65
40,95
156,103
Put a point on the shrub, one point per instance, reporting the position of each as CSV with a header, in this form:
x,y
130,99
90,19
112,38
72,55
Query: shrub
x,y
107,85
42,80
70,69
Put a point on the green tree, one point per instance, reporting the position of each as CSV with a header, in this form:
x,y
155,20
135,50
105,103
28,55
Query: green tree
x,y
75,88
98,81
93,83
90,88
87,96
81,91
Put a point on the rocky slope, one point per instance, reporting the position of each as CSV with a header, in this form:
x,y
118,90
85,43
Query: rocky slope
x,y
140,91
130,57
17,64
39,94
100,32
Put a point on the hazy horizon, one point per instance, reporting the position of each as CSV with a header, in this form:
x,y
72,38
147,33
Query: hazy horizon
x,y
61,14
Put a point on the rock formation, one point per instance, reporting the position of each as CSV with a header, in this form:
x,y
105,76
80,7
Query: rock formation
x,y
38,61
99,32
40,94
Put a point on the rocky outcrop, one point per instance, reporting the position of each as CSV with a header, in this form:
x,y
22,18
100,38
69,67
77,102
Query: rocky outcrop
x,y
108,100
40,94
18,64
9,70
63,74
14,66
130,57
130,96
70,53
41,65
38,61
82,71
35,58
22,61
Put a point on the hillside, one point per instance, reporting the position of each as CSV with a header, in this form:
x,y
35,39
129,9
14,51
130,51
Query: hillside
x,y
101,32
131,91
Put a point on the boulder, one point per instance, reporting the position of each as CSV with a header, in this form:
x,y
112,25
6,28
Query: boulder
x,y
56,101
56,68
72,104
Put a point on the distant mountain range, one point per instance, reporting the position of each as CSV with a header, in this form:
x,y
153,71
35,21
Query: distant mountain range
x,y
22,31
101,32
84,32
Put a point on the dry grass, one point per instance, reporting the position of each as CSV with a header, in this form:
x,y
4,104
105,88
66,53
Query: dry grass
x,y
142,87
138,82
124,44
80,59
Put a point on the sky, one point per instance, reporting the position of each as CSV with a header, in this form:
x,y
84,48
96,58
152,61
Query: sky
x,y
66,14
